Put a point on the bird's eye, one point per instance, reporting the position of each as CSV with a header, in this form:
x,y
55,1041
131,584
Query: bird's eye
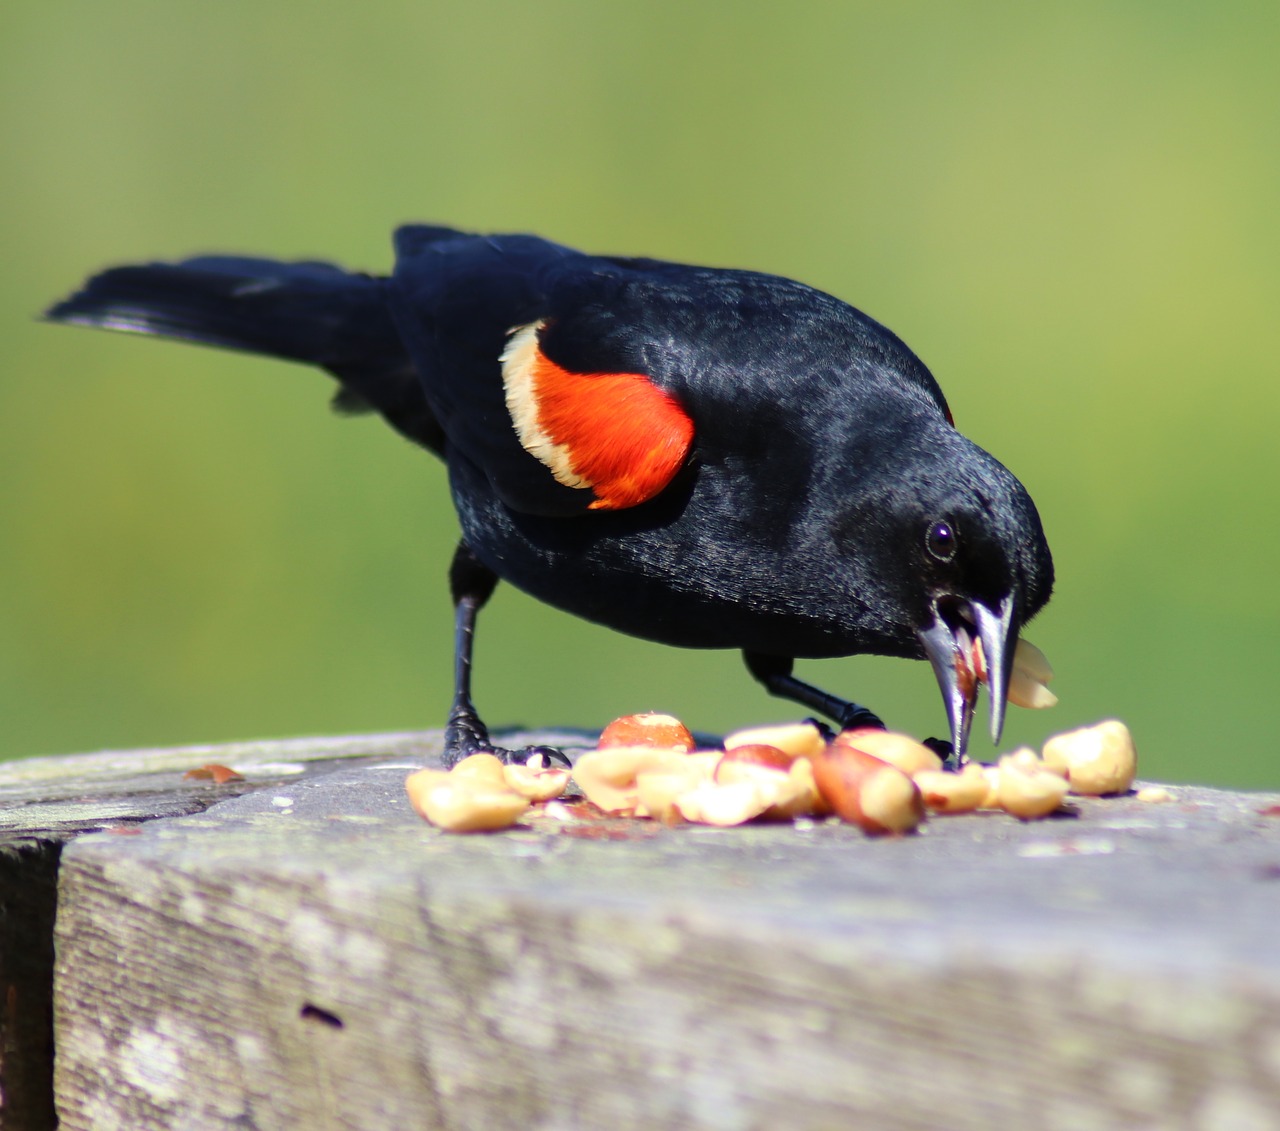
x,y
941,541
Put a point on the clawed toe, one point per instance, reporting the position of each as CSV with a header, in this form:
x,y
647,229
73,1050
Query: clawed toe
x,y
465,737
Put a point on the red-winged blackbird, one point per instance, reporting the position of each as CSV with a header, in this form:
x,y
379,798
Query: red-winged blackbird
x,y
706,458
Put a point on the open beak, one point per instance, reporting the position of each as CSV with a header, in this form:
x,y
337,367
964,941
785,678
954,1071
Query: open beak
x,y
948,642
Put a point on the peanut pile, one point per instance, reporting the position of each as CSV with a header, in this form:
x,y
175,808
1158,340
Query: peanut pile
x,y
648,767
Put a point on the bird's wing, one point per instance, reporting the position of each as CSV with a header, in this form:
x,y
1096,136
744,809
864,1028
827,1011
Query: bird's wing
x,y
530,375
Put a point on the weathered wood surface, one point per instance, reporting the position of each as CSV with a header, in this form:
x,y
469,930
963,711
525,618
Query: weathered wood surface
x,y
312,955
46,801
56,798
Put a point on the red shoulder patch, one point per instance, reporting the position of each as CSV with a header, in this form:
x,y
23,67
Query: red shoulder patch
x,y
615,434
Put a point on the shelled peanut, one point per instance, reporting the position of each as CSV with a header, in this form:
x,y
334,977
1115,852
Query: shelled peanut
x,y
1096,760
867,791
481,794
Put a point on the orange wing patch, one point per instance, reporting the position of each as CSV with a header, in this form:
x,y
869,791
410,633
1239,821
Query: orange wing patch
x,y
615,434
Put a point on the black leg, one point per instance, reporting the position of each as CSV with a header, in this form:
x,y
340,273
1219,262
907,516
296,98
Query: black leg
x,y
775,673
471,584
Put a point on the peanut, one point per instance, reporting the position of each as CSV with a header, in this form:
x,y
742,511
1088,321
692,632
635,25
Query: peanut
x,y
481,767
657,790
947,792
463,804
662,731
867,791
732,804
796,740
536,780
608,777
751,757
1031,672
900,750
1027,788
1098,759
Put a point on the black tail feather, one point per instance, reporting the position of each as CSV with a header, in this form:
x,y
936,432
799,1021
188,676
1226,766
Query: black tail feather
x,y
309,312
315,313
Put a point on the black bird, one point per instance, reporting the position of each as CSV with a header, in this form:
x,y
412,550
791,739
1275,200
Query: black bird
x,y
707,458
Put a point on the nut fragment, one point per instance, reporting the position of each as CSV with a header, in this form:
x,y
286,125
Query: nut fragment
x,y
991,775
538,782
214,772
754,754
663,731
728,789
890,803
481,767
797,740
463,804
732,804
657,790
800,796
947,792
1030,693
899,750
1027,788
802,772
1028,659
608,777
1098,759
1024,758
1154,795
867,791
790,789
1031,672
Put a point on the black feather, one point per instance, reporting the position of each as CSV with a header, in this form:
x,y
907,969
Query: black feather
x,y
309,312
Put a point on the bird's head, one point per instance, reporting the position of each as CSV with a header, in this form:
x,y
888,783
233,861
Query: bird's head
x,y
986,570
963,543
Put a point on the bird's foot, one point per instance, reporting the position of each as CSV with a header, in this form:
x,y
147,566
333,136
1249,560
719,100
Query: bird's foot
x,y
463,736
525,753
944,750
466,735
823,729
856,717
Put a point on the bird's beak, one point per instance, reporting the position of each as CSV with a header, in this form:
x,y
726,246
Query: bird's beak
x,y
948,642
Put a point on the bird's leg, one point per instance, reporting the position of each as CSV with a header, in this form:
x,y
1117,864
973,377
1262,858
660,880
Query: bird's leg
x,y
471,584
775,673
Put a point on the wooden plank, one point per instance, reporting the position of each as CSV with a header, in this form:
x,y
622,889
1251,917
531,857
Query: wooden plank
x,y
46,801
315,956
55,798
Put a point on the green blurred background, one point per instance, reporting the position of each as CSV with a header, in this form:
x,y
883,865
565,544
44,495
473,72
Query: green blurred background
x,y
1069,213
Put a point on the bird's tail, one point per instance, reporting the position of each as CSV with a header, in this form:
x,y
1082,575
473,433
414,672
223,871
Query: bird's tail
x,y
314,313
